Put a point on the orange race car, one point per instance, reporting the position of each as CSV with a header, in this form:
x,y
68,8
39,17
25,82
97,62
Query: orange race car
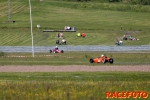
x,y
102,59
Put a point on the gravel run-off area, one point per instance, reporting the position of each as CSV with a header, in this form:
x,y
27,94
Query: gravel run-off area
x,y
74,68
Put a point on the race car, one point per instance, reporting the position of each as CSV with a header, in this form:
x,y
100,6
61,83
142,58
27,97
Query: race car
x,y
56,51
102,59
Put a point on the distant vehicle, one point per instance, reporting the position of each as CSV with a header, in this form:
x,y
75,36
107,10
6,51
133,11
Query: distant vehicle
x,y
102,59
56,51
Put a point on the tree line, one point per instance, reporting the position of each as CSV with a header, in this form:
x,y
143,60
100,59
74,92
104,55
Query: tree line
x,y
141,2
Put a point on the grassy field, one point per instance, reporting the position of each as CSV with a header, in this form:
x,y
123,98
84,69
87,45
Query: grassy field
x,y
71,86
74,58
102,25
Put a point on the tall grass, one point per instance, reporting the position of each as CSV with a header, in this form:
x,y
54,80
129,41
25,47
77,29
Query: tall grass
x,y
67,90
70,86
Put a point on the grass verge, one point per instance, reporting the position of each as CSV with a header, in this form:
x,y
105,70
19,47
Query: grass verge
x,y
71,86
74,58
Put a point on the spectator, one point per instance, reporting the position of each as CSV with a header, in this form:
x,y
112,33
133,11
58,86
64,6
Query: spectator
x,y
135,39
57,42
61,35
63,41
78,34
57,35
131,38
83,35
120,42
124,37
67,28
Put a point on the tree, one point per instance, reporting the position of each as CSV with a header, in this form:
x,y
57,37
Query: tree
x,y
114,0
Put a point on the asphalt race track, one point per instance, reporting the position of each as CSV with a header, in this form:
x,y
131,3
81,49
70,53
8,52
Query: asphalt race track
x,y
75,48
75,68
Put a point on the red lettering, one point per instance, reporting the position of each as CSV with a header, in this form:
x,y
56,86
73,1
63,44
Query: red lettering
x,y
144,95
139,94
134,95
108,94
114,95
123,94
128,95
118,95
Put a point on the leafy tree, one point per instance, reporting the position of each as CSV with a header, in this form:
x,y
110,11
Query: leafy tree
x,y
145,2
82,0
142,2
114,0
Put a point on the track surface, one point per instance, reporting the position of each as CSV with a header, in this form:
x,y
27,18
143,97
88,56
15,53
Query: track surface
x,y
75,68
75,48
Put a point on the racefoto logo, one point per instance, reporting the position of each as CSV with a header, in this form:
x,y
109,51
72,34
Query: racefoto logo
x,y
127,94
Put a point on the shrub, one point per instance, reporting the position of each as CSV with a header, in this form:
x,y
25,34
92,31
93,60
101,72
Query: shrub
x,y
2,53
141,2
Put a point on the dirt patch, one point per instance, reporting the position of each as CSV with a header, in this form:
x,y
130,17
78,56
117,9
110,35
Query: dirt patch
x,y
74,68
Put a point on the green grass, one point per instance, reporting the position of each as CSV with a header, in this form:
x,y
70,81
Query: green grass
x,y
100,21
75,85
102,26
75,76
74,58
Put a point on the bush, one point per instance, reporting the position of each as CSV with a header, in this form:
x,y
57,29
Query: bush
x,y
2,53
141,2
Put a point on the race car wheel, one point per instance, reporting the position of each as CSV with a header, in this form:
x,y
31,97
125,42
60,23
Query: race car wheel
x,y
50,51
62,51
111,60
91,61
